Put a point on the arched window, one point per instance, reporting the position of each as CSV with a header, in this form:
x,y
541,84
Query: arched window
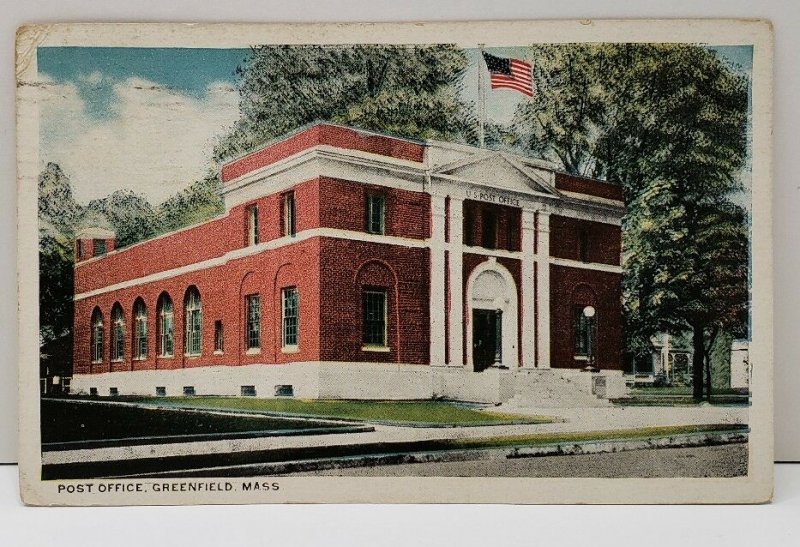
x,y
117,333
139,330
166,326
194,322
97,336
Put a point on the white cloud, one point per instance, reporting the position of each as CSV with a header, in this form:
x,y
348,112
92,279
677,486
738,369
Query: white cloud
x,y
157,142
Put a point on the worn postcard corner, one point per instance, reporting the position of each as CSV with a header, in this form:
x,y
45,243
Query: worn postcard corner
x,y
294,263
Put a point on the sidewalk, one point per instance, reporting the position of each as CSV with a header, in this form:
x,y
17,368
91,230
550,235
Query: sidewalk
x,y
575,420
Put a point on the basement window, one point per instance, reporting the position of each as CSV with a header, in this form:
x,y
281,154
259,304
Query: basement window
x,y
161,391
188,391
93,391
113,391
284,390
248,391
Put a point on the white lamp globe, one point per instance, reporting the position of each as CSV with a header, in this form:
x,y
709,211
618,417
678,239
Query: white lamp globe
x,y
589,311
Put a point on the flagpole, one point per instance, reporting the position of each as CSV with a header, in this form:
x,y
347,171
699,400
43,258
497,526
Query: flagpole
x,y
481,101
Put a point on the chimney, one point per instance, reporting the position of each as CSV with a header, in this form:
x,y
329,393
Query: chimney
x,y
94,242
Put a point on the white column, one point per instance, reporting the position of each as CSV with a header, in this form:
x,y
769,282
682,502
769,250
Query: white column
x,y
456,311
528,285
543,289
437,288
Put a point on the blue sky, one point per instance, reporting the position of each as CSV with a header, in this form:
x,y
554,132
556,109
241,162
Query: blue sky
x,y
147,118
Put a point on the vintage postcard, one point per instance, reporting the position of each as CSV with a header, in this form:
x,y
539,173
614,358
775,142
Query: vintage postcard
x,y
507,262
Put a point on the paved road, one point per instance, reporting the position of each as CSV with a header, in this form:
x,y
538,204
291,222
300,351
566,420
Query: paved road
x,y
714,461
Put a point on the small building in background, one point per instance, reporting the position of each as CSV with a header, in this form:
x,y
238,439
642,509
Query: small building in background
x,y
740,364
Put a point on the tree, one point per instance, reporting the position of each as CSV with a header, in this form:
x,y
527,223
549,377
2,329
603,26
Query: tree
x,y
405,90
198,202
131,216
58,213
668,122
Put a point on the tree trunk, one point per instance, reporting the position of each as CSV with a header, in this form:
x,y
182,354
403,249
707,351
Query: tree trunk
x,y
707,359
698,362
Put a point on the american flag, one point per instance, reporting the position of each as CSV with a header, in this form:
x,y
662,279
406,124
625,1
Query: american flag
x,y
510,74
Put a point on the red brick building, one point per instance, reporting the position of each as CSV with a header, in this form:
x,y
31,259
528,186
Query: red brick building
x,y
357,265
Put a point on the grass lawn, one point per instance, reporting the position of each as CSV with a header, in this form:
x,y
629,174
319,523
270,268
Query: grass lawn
x,y
683,390
428,413
682,396
535,439
65,421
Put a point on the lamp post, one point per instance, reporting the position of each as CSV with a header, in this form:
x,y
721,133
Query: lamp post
x,y
589,313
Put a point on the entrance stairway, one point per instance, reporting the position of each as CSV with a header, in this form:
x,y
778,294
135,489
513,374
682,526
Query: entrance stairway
x,y
555,388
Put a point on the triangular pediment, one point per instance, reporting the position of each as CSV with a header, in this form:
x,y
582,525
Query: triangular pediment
x,y
499,170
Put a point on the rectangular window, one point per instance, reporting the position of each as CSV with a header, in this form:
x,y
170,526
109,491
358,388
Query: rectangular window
x,y
583,246
289,228
161,391
188,390
219,340
99,247
374,320
97,345
248,391
489,229
469,225
376,213
253,322
291,313
252,225
584,331
141,337
81,251
166,330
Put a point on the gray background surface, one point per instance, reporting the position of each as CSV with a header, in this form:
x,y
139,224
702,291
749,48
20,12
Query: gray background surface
x,y
785,16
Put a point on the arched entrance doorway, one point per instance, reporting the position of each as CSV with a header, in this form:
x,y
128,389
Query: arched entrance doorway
x,y
492,315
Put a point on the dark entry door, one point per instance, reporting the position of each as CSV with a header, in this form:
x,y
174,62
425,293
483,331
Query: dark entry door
x,y
485,338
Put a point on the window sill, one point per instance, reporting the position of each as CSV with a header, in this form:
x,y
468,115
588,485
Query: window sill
x,y
581,357
217,352
96,363
118,360
253,351
290,349
140,358
377,349
166,357
192,355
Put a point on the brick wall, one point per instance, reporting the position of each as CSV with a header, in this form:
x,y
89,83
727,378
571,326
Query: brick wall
x,y
323,134
343,206
508,224
572,288
590,187
222,290
347,267
603,241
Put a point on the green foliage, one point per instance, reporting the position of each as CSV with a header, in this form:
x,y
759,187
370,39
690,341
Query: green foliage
x,y
196,203
406,90
413,412
133,219
130,214
669,123
58,209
